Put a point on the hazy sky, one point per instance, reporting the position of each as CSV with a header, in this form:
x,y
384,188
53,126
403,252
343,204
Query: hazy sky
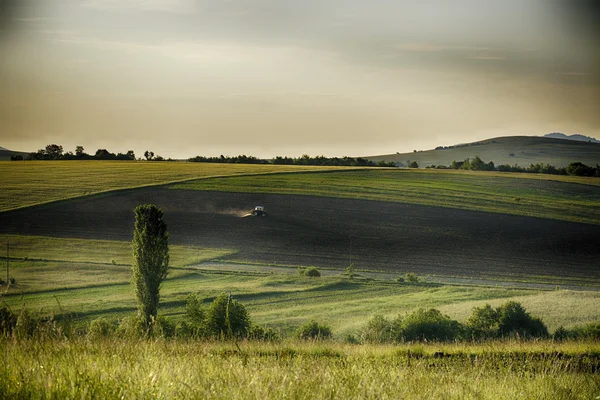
x,y
287,77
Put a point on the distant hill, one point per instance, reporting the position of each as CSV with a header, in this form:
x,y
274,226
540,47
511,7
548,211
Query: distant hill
x,y
577,136
521,150
5,154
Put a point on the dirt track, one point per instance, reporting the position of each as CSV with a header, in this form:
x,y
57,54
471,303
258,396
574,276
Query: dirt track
x,y
332,232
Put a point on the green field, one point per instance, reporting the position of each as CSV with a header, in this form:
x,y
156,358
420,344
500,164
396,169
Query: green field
x,y
91,278
525,150
545,196
28,183
158,369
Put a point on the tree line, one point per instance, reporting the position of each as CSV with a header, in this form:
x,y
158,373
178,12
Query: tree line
x,y
57,152
477,164
305,159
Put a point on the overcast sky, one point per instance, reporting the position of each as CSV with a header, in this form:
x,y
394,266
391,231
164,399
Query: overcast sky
x,y
287,77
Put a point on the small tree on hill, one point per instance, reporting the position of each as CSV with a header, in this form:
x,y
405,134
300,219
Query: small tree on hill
x,y
228,318
150,259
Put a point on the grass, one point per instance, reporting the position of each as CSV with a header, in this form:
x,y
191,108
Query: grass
x,y
127,369
81,280
29,183
545,196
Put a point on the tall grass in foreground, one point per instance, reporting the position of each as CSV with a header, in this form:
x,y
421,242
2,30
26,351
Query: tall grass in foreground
x,y
126,368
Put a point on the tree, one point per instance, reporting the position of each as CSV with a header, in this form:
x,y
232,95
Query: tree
x,y
413,164
79,151
227,317
148,155
514,319
313,330
54,152
150,259
484,321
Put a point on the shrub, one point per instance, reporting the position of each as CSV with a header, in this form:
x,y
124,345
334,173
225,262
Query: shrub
x,y
163,327
428,325
261,333
313,330
8,321
399,279
26,325
378,330
227,318
411,277
100,328
194,310
484,322
513,319
131,327
312,272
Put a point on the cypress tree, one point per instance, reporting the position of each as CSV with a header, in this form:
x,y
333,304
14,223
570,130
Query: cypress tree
x,y
150,260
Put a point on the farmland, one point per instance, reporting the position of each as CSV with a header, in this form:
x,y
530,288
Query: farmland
x,y
34,182
72,259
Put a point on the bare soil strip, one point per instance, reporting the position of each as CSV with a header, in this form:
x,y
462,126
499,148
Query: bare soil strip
x,y
330,232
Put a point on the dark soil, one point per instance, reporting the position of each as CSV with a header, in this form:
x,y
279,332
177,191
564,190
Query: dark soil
x,y
329,232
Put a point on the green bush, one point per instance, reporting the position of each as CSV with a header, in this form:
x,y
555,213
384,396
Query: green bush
x,y
26,325
312,272
430,325
313,330
484,322
163,327
411,277
379,330
131,327
101,328
8,321
514,320
261,333
227,318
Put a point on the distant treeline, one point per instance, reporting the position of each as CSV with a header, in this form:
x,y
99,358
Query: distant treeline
x,y
477,164
304,160
56,152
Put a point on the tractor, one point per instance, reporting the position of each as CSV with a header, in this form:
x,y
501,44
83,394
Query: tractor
x,y
259,211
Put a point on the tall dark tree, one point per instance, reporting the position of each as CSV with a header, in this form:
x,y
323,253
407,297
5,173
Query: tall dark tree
x,y
54,152
150,259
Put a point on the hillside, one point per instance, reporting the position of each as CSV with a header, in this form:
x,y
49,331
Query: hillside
x,y
5,154
521,150
577,136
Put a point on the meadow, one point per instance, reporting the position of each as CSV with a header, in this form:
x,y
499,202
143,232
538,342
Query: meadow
x,y
34,182
160,369
545,196
92,280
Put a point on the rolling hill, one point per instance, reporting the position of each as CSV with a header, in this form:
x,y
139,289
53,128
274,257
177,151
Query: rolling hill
x,y
5,153
521,150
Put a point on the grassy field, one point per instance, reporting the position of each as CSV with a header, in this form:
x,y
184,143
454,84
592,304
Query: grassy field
x,y
544,196
525,150
127,369
33,182
85,282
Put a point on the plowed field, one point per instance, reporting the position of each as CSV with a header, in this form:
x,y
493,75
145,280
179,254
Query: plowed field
x,y
330,232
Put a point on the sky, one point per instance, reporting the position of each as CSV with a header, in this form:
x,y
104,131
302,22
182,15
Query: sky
x,y
286,77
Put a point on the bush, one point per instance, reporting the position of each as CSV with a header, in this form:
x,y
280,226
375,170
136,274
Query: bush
x,y
484,322
8,321
163,327
227,318
313,330
261,333
399,279
101,328
131,327
378,330
428,325
411,277
26,325
312,272
513,319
